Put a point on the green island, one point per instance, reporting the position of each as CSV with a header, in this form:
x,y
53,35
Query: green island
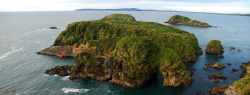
x,y
214,47
133,51
182,20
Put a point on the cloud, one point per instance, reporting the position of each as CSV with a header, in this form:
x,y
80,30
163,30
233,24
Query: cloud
x,y
223,6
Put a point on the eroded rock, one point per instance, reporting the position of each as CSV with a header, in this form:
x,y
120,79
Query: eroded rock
x,y
245,69
217,76
59,70
218,90
219,66
220,56
88,67
214,47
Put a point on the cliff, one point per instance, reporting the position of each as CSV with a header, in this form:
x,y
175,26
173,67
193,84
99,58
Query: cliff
x,y
181,20
133,51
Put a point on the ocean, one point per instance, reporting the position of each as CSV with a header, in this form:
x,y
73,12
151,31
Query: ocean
x,y
22,34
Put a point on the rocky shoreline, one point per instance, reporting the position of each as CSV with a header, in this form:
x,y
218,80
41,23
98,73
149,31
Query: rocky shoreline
x,y
240,87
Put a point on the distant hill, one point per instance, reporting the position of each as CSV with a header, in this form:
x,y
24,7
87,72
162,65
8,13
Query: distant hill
x,y
136,9
120,9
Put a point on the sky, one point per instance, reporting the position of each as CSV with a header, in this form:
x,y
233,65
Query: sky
x,y
211,6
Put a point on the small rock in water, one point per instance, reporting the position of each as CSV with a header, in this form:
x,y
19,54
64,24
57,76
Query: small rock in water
x,y
59,70
232,48
234,70
217,76
216,81
53,27
9,93
220,56
229,64
219,65
218,90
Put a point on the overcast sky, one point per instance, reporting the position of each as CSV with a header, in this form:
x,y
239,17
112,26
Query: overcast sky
x,y
213,6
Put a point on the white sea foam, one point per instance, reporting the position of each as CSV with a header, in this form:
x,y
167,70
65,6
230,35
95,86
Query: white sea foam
x,y
8,53
68,90
65,78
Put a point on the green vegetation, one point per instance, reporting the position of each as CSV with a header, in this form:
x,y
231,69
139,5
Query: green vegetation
x,y
86,63
169,62
121,17
133,50
133,60
214,47
184,43
243,84
181,20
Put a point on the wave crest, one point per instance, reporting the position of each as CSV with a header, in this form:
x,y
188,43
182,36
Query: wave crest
x,y
8,53
68,90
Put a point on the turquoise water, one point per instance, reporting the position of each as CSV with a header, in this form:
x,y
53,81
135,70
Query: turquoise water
x,y
22,34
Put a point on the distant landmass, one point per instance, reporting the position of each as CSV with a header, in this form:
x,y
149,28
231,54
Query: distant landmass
x,y
120,9
137,9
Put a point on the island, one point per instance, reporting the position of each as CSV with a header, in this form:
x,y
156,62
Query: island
x,y
214,47
125,51
119,9
182,20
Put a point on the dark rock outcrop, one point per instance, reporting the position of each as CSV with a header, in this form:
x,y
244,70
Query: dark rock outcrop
x,y
220,56
216,81
209,66
53,27
218,90
214,47
217,76
232,48
59,70
219,66
88,67
245,69
234,70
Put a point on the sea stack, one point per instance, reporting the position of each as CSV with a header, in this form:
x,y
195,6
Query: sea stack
x,y
214,47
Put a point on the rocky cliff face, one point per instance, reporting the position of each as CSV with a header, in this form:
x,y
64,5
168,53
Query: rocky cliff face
x,y
87,66
132,62
182,20
173,70
134,51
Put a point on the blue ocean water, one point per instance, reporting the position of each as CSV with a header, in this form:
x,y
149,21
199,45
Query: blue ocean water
x,y
22,34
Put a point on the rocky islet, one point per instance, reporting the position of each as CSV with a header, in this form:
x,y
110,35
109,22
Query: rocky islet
x,y
133,51
182,20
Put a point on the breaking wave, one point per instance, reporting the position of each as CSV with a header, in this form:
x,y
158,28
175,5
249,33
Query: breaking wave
x,y
68,90
8,53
